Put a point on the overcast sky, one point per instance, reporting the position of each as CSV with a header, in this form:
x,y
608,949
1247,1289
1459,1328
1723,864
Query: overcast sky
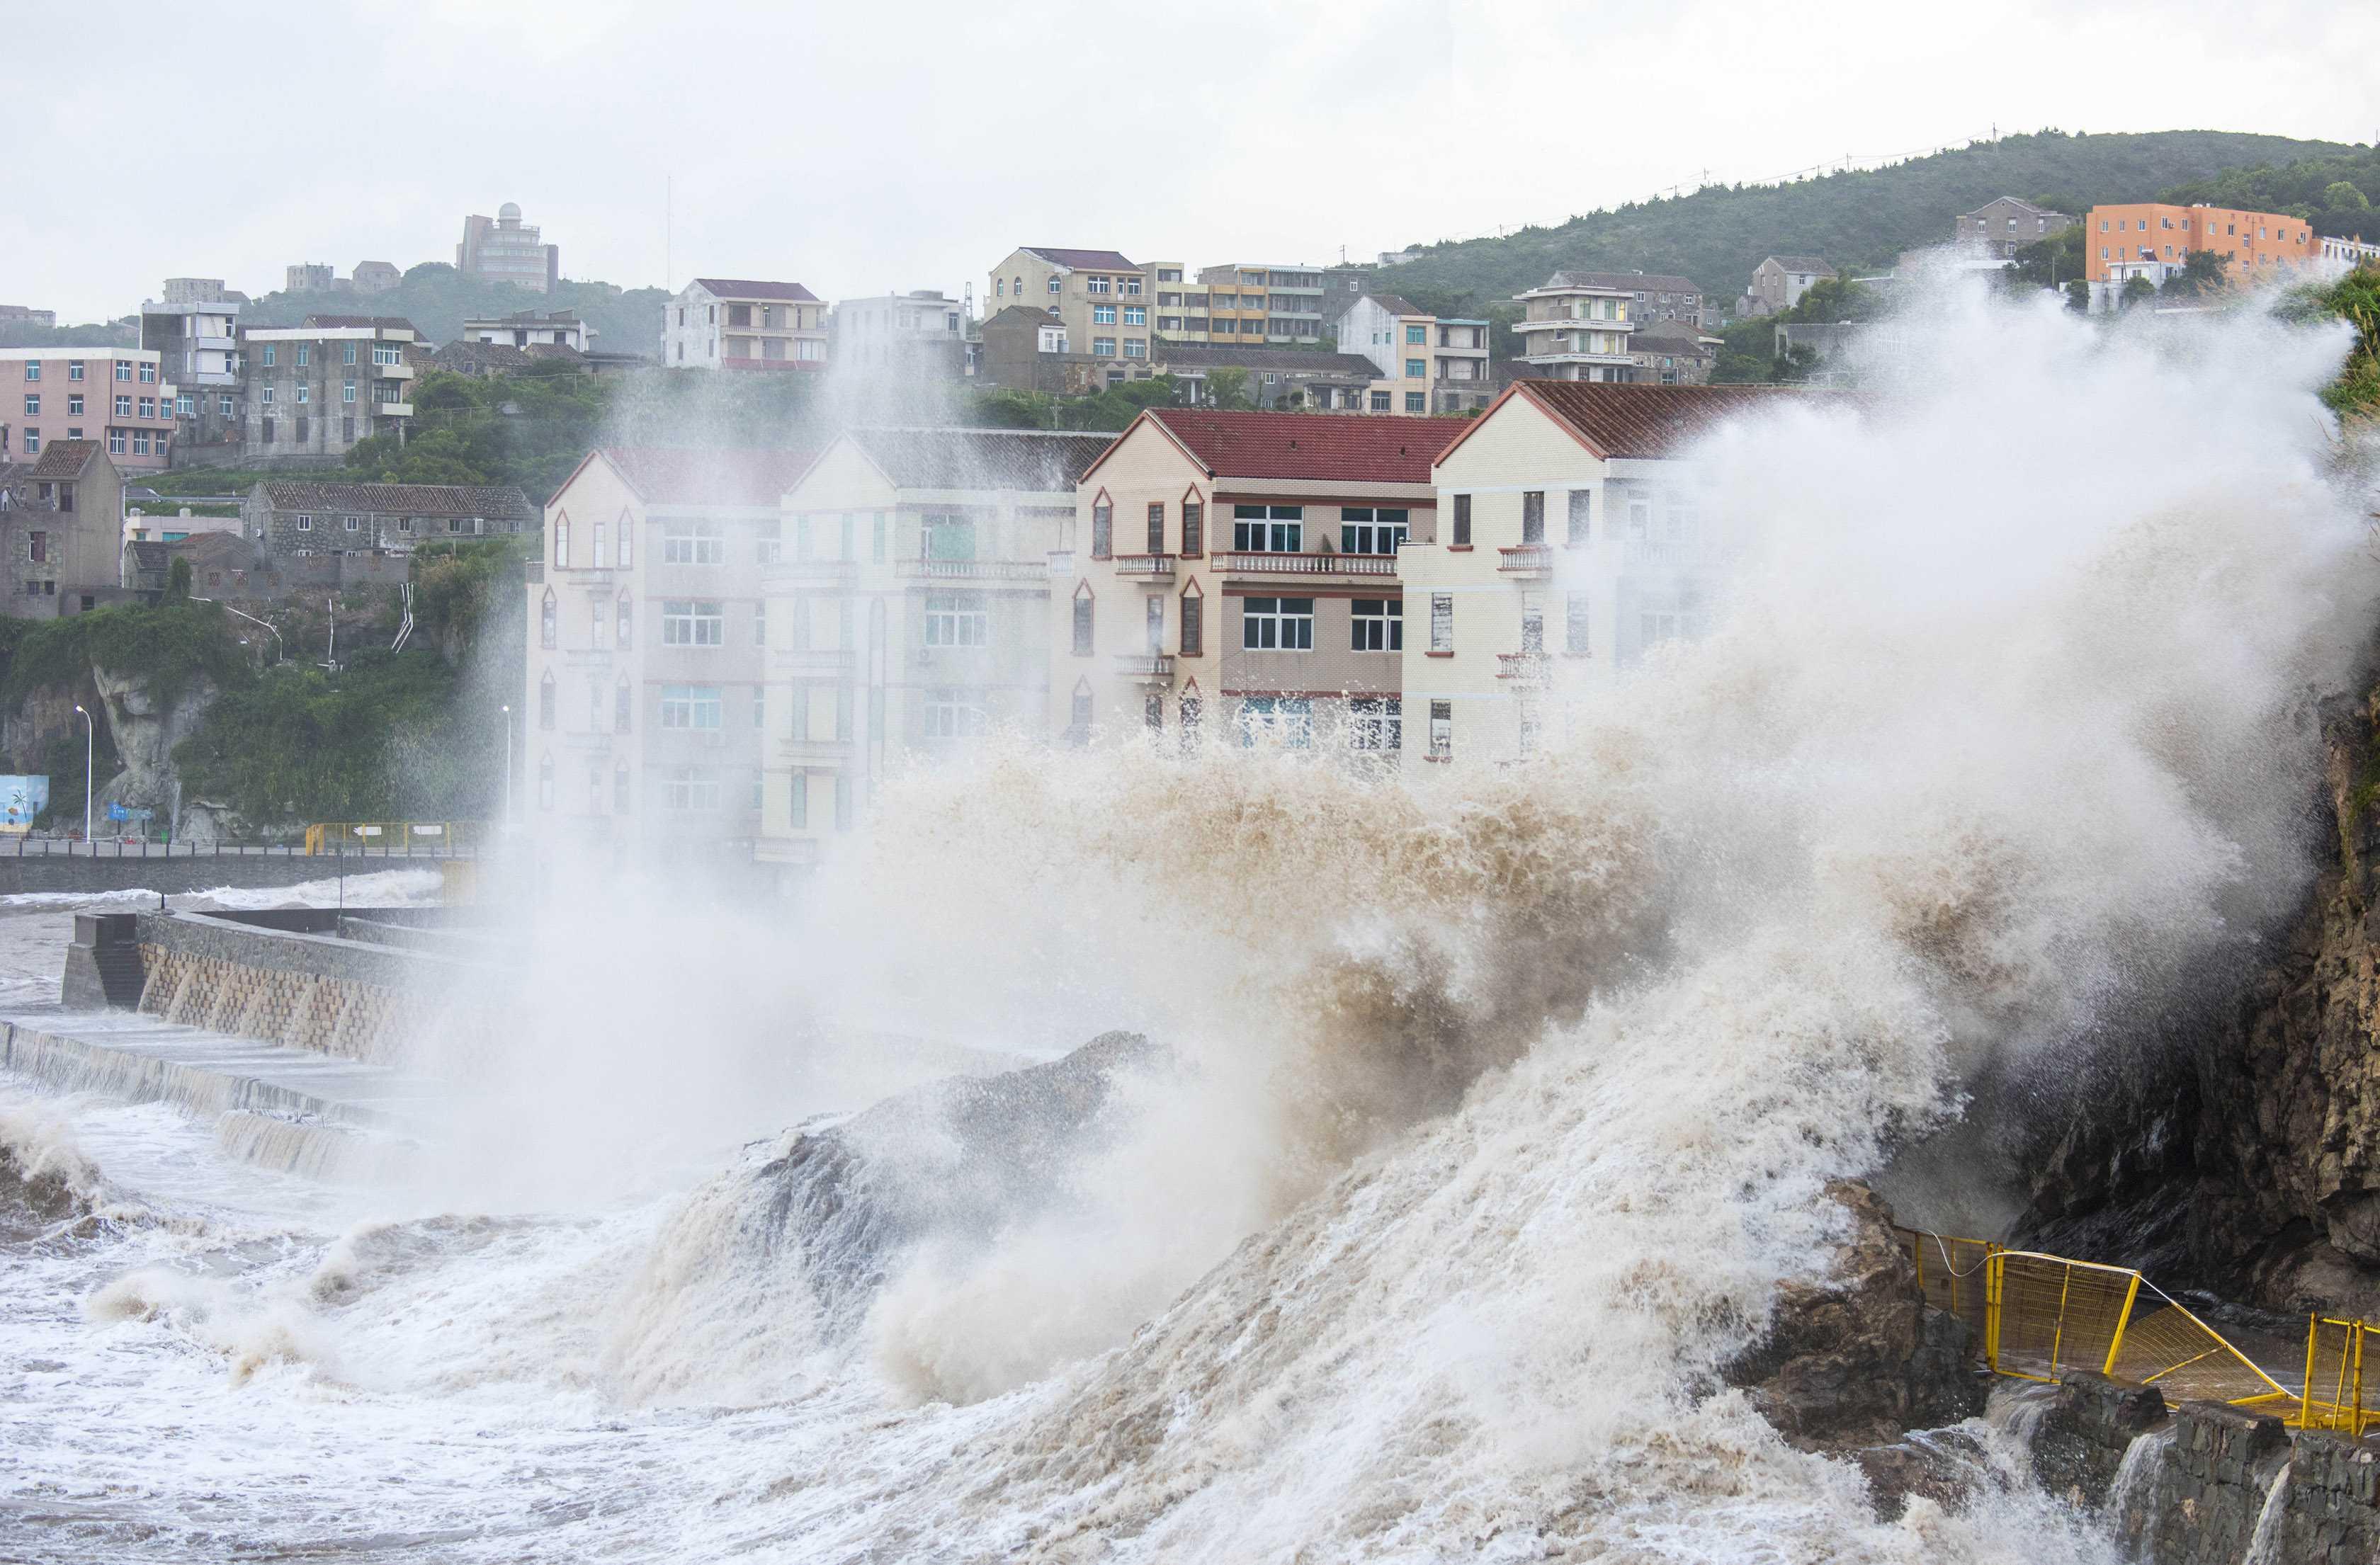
x,y
865,148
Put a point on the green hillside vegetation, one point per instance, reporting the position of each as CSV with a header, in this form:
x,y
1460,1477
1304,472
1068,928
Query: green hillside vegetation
x,y
438,299
1856,221
2334,194
20,333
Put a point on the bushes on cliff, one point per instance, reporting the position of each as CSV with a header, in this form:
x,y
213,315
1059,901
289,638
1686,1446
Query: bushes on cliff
x,y
168,647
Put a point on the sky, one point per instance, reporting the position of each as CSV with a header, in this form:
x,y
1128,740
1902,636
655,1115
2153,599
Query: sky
x,y
864,150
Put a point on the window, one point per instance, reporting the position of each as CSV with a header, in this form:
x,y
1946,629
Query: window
x,y
622,704
352,524
74,370
628,546
691,788
124,405
1268,529
1194,622
597,557
1157,526
1533,516
1376,723
222,407
1416,402
33,441
949,716
623,621
760,624
32,368
1580,505
305,522
1153,615
956,619
37,547
1131,285
1135,315
1462,521
620,788
387,352
1416,368
1640,516
32,405
1083,620
1277,624
148,408
346,391
842,802
184,405
1379,624
304,354
1416,336
878,545
1441,729
1099,284
694,706
546,692
1363,529
1283,719
268,357
303,423
346,353
123,369
1103,348
1441,622
74,405
1136,347
561,543
114,441
1575,625
1194,528
1102,529
1053,284
545,782
1103,315
688,622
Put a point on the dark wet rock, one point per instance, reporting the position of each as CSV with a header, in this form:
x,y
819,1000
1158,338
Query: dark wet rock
x,y
1946,1466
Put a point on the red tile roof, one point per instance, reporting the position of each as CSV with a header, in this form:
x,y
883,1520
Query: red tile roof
x,y
1096,261
677,476
1310,445
1630,419
744,289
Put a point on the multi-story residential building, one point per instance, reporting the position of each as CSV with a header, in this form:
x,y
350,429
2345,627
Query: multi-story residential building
x,y
648,650
1287,379
1264,302
376,276
121,398
1438,366
1022,348
1574,330
1778,282
2339,253
919,332
1242,569
198,345
1674,352
1571,540
527,328
296,517
1653,296
200,290
908,611
740,323
2002,228
26,315
507,250
1171,319
1103,299
59,530
313,391
307,277
2154,240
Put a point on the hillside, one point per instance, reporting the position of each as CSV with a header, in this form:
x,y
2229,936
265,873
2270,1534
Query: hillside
x,y
438,299
1857,220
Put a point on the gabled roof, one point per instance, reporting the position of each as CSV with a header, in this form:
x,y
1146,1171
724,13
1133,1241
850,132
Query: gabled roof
x,y
1614,419
62,459
682,476
2016,201
1396,304
1296,360
464,351
1675,337
220,550
746,288
1082,260
1360,448
1803,264
400,499
147,554
1033,460
1023,313
1634,282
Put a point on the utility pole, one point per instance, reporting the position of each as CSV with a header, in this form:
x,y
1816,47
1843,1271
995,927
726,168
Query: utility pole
x,y
508,766
89,741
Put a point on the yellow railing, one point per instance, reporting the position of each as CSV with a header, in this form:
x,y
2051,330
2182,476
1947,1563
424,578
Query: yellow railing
x,y
421,837
2039,1317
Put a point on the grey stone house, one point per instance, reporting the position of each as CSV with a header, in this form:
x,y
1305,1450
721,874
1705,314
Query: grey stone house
x,y
2005,227
60,519
296,516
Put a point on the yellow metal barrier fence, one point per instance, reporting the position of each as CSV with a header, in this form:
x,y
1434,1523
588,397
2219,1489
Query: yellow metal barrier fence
x,y
2336,1397
400,837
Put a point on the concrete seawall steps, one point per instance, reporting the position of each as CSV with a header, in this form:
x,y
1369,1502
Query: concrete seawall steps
x,y
289,1108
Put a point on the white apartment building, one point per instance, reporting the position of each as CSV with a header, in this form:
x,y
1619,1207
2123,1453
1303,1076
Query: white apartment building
x,y
1572,538
642,695
919,331
740,323
907,610
1438,366
528,328
1576,329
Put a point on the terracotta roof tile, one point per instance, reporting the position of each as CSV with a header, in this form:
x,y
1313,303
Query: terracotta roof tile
x,y
62,459
1624,420
1031,460
1310,445
684,476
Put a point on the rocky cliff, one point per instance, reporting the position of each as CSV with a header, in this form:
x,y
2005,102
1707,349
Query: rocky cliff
x,y
146,730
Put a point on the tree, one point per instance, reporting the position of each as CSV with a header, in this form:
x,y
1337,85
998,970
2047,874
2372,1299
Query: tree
x,y
2136,289
2344,196
2201,273
1227,388
2077,295
177,579
2047,263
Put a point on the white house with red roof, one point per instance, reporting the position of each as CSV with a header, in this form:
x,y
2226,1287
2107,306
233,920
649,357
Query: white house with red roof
x,y
1102,298
740,323
1235,575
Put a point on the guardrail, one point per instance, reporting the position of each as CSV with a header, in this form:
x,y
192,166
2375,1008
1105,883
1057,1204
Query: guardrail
x,y
431,839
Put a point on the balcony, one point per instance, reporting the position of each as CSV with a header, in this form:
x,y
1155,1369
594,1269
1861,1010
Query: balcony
x,y
392,372
587,657
979,570
1155,667
1525,559
1145,567
1671,553
392,409
1528,668
1308,564
782,569
803,662
816,752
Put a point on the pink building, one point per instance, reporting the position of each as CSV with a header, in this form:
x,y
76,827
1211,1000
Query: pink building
x,y
118,397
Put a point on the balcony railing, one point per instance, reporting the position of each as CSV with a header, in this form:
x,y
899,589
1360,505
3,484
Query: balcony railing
x,y
392,409
1145,665
1152,568
1525,558
394,371
816,752
782,569
974,570
802,662
1530,668
1676,552
1307,565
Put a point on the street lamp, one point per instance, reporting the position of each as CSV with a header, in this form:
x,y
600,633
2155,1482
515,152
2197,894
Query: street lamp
x,y
508,766
90,737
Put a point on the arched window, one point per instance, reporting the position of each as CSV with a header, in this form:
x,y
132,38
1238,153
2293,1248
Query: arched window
x,y
620,788
1053,282
1193,708
1194,621
1079,717
562,541
545,783
1194,525
623,704
545,699
628,540
594,787
626,624
1083,620
549,623
1102,526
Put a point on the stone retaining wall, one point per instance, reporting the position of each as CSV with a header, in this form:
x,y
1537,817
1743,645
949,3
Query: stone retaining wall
x,y
306,990
181,873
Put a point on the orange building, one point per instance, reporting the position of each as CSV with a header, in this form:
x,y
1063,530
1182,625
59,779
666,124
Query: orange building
x,y
2152,239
